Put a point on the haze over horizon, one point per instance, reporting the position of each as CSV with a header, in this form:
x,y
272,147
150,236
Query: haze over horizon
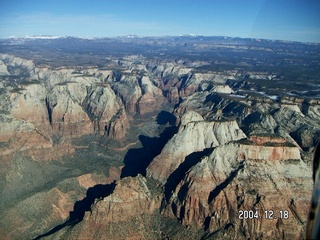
x,y
292,20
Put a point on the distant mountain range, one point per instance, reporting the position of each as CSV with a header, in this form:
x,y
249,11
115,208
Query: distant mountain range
x,y
134,36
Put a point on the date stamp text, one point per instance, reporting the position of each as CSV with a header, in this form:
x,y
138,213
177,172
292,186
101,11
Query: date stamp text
x,y
265,214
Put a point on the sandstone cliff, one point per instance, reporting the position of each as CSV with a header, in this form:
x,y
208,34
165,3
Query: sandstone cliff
x,y
263,175
288,118
237,148
243,177
131,197
128,212
194,135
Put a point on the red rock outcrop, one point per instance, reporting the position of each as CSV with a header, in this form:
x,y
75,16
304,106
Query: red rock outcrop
x,y
172,95
131,197
151,99
260,140
209,171
240,177
112,216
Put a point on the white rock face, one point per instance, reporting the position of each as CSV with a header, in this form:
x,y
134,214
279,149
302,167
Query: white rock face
x,y
183,71
44,102
148,87
151,98
29,105
194,136
190,116
222,89
213,77
3,69
67,115
22,66
238,176
314,112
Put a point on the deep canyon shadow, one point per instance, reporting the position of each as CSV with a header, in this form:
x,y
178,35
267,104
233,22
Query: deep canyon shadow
x,y
98,191
137,160
178,174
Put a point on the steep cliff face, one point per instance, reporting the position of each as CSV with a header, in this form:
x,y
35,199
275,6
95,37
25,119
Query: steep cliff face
x,y
126,213
151,99
127,88
45,117
236,149
29,105
24,118
247,175
291,118
16,66
194,135
214,192
66,114
238,177
3,68
80,106
138,93
106,112
131,197
63,102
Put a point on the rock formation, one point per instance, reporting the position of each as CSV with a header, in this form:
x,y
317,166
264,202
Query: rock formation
x,y
194,135
237,167
243,177
131,197
209,191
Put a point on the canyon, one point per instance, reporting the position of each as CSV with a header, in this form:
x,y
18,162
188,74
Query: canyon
x,y
162,139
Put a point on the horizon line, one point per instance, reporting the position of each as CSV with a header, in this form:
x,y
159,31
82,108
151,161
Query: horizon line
x,y
47,36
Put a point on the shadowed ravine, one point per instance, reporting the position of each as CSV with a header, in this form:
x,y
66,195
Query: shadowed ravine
x,y
215,192
91,111
136,162
138,159
80,207
179,173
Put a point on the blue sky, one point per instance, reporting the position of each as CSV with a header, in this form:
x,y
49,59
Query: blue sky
x,y
297,20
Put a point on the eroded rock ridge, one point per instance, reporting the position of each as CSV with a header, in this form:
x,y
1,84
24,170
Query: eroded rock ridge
x,y
236,147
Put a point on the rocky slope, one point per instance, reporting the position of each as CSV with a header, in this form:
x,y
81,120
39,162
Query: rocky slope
x,y
243,177
194,135
236,146
52,115
69,102
208,190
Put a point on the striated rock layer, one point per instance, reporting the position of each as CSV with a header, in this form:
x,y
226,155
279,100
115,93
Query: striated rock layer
x,y
126,213
131,197
211,189
194,135
239,177
235,169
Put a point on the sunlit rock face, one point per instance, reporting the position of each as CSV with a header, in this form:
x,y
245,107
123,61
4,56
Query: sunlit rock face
x,y
239,177
213,189
194,135
237,156
131,197
151,99
209,190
